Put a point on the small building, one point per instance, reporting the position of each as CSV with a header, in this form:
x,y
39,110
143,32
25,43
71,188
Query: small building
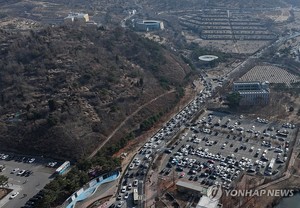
x,y
148,25
253,93
77,17
191,188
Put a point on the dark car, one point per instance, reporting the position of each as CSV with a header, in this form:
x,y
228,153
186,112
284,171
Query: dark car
x,y
213,177
34,199
169,165
38,196
27,206
203,174
30,203
27,173
124,182
168,172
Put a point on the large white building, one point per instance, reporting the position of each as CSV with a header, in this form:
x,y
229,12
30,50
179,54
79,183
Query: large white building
x,y
253,93
148,25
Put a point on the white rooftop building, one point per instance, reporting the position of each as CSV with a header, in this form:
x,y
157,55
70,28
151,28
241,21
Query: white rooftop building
x,y
77,17
253,93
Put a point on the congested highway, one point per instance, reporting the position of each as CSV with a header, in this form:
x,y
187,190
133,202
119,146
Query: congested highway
x,y
216,149
134,178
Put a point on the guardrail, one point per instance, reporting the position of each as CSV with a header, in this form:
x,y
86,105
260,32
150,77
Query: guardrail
x,y
90,188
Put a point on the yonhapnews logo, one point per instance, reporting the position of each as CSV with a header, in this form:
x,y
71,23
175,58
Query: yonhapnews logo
x,y
214,192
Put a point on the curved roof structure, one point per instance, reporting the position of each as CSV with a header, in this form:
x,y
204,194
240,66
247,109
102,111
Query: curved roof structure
x,y
208,57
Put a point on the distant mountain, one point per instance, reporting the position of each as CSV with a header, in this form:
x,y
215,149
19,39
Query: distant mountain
x,y
163,5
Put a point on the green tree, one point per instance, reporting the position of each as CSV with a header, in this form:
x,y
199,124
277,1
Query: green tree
x,y
234,99
3,180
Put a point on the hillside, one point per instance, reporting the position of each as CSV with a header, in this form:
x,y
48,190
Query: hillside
x,y
164,5
64,89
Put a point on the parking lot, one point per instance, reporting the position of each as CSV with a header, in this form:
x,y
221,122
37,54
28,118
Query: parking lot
x,y
218,148
27,176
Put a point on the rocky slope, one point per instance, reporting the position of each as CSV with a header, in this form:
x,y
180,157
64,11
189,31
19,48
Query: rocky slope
x,y
64,89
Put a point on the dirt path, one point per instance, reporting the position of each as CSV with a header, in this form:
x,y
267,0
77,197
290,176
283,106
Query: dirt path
x,y
123,122
132,147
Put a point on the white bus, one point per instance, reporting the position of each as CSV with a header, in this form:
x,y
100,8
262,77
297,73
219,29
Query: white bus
x,y
61,169
135,196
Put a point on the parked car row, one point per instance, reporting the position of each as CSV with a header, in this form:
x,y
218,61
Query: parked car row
x,y
33,201
16,158
19,172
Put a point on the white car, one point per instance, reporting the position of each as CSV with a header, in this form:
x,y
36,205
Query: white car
x,y
13,195
119,197
120,204
15,170
137,163
123,190
4,157
31,160
126,195
52,164
21,172
131,166
135,182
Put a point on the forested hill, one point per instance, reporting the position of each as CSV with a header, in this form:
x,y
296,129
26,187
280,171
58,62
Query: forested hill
x,y
64,89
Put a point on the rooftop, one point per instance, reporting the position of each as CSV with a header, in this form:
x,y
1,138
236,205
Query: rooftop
x,y
253,91
192,186
76,15
250,82
208,57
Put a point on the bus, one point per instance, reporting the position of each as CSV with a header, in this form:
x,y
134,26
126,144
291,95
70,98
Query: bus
x,y
135,196
61,169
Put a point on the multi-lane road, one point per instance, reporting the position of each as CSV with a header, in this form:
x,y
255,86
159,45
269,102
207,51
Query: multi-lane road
x,y
135,174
